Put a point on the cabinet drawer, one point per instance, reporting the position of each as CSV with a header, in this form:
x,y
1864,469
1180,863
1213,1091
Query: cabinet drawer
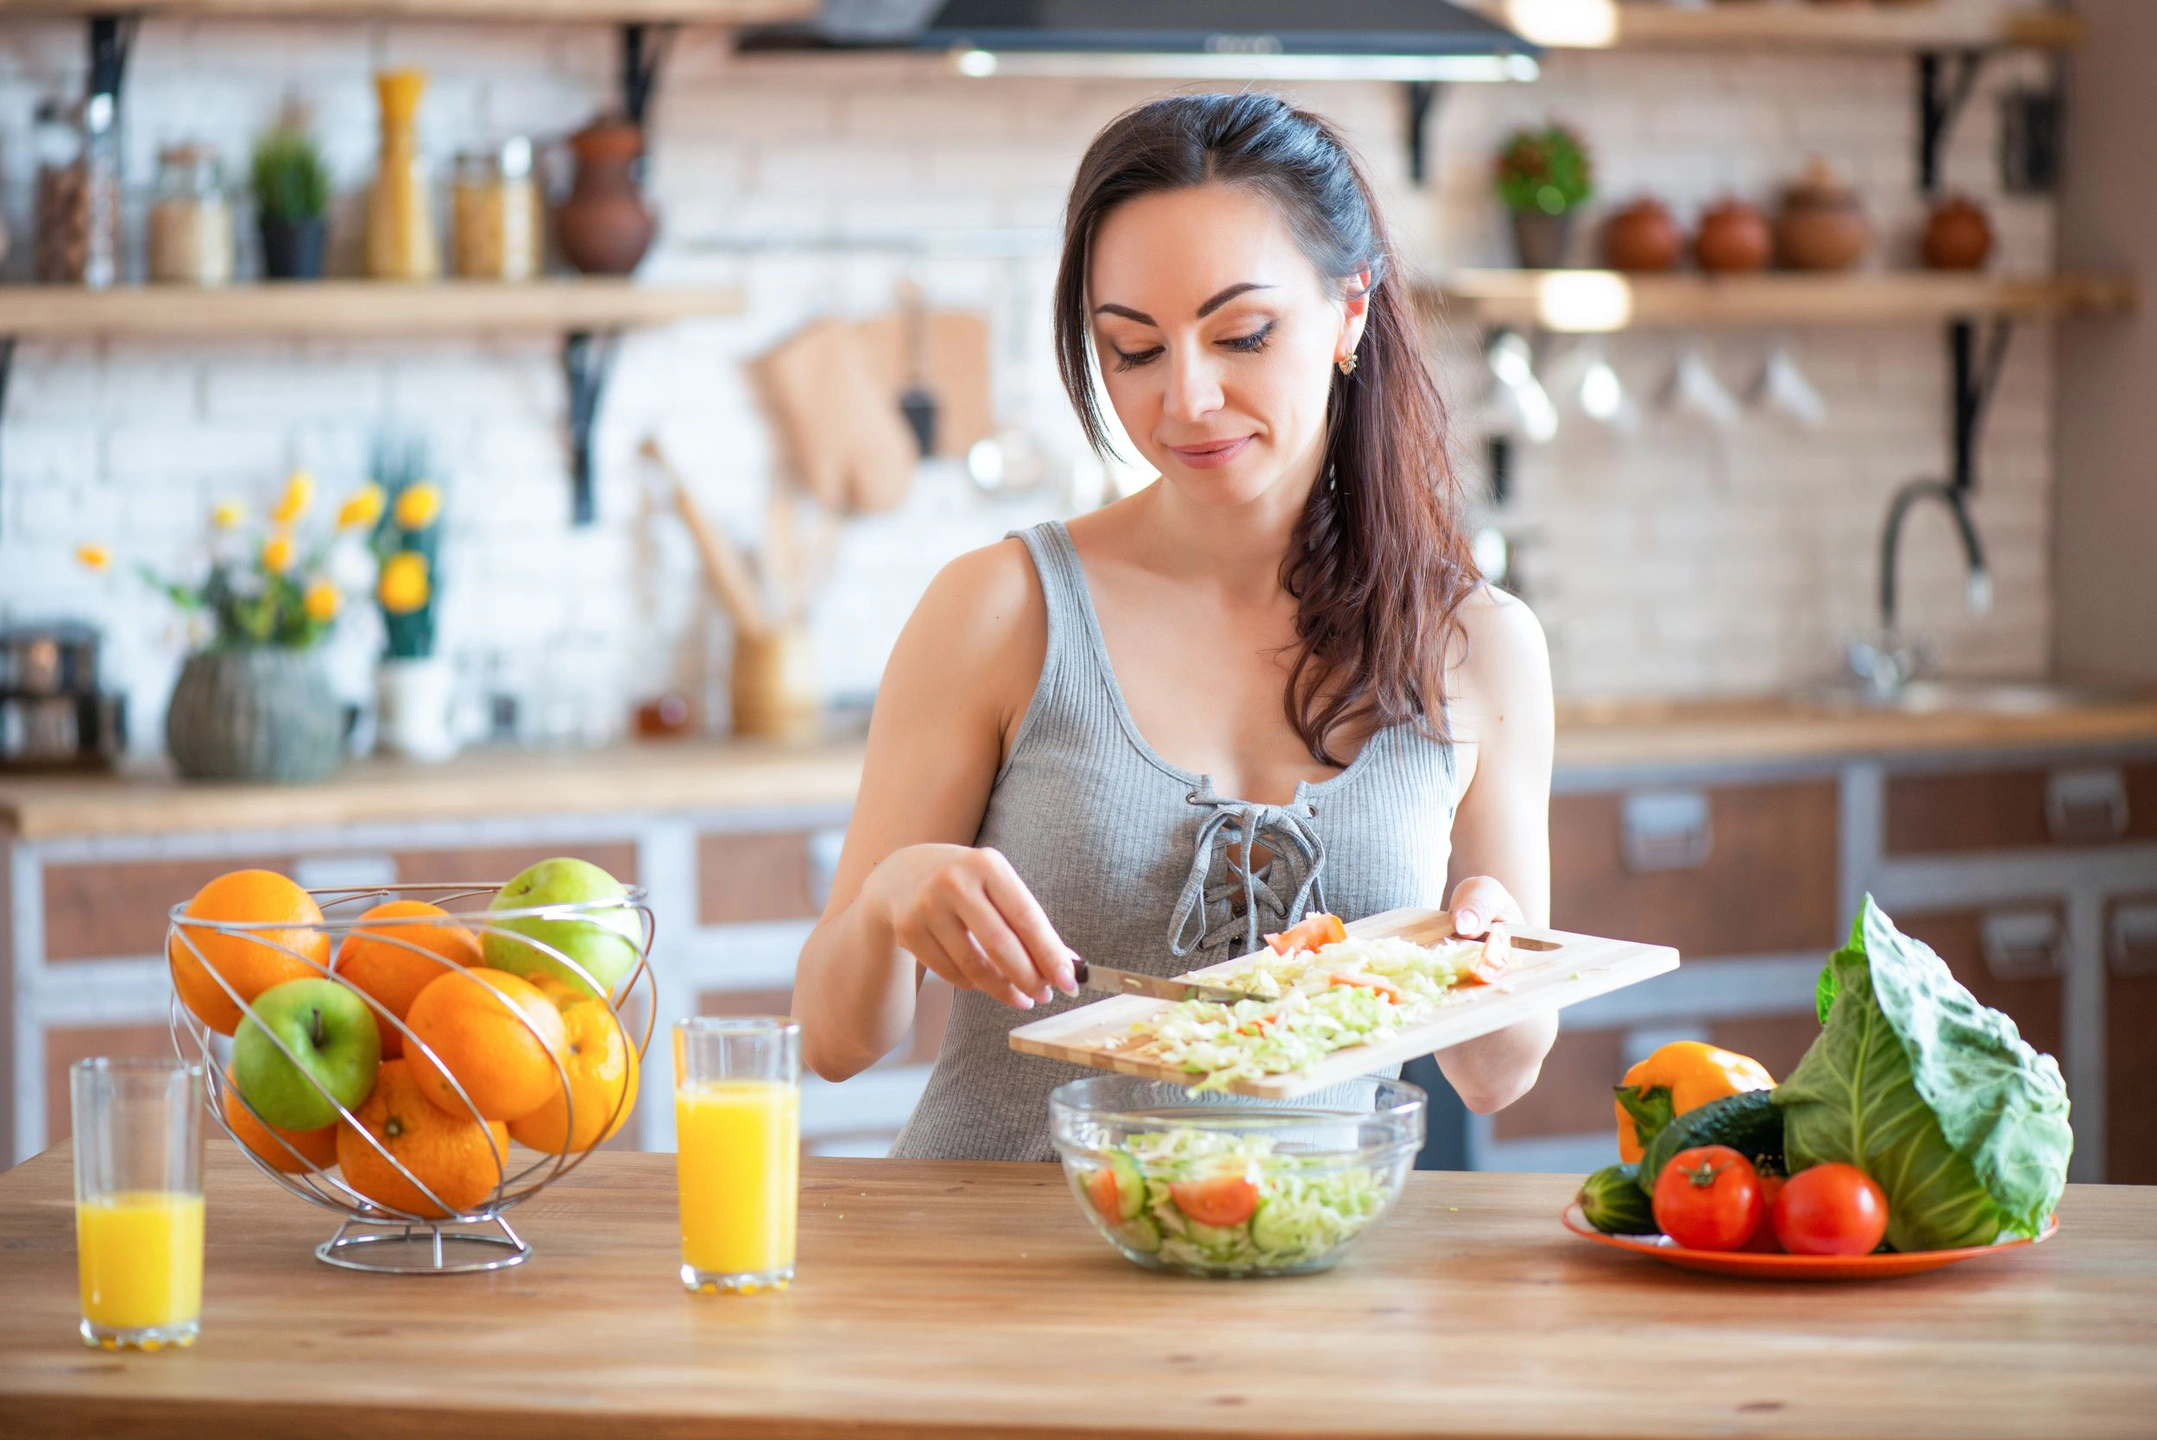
x,y
2130,1054
1728,870
2021,809
113,910
65,1044
746,878
2013,959
493,864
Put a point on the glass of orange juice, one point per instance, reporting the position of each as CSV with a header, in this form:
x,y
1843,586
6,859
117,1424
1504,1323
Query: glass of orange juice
x,y
737,1128
138,1201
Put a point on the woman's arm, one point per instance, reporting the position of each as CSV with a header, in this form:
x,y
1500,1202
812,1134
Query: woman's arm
x,y
909,888
1501,831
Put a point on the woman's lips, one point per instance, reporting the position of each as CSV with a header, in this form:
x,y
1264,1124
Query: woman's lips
x,y
1211,453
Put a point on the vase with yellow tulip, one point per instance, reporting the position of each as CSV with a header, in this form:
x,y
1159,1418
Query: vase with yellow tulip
x,y
254,700
414,686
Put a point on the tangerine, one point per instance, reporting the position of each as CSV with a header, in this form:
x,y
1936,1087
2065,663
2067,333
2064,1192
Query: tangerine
x,y
318,1148
249,962
385,964
454,1156
602,1067
498,1038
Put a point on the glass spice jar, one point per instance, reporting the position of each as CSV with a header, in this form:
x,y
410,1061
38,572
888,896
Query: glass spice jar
x,y
191,237
78,192
496,214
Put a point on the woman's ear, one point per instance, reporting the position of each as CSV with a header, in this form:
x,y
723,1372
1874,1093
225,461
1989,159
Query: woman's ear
x,y
1356,313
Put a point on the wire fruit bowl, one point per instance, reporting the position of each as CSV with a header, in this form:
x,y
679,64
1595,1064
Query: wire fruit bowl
x,y
376,1236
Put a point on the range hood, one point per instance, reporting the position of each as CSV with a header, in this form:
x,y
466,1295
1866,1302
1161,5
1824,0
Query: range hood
x,y
1408,40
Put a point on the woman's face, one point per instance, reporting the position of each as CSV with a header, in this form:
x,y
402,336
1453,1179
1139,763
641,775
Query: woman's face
x,y
1217,340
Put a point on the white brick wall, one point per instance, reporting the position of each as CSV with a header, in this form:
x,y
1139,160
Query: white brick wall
x,y
1670,559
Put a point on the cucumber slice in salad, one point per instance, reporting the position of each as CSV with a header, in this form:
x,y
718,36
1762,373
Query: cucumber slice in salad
x,y
1141,1234
1130,1184
1218,1241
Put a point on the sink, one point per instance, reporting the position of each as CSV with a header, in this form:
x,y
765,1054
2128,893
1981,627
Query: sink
x,y
1971,697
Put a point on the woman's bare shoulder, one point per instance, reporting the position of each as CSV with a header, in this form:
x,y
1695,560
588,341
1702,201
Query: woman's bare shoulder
x,y
1499,671
979,633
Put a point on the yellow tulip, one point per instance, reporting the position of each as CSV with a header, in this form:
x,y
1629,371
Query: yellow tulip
x,y
94,557
404,587
363,509
227,514
278,554
418,506
322,601
299,494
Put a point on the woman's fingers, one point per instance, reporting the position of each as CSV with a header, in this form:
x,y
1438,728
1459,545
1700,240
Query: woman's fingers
x,y
977,971
1029,923
1001,947
1478,901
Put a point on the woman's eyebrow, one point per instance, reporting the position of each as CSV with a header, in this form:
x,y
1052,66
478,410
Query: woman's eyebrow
x,y
1203,311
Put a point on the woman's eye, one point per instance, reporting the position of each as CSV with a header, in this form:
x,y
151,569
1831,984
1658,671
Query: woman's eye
x,y
1132,359
1251,343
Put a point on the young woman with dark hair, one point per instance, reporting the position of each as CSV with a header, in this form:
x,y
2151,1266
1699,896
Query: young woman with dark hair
x,y
1270,682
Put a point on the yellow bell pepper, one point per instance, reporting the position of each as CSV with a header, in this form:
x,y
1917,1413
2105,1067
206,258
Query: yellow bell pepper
x,y
1683,1075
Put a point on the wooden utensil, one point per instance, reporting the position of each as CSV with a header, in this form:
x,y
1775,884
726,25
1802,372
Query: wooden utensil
x,y
726,569
1551,969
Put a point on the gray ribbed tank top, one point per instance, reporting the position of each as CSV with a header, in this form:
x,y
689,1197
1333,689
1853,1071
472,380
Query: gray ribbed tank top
x,y
1138,863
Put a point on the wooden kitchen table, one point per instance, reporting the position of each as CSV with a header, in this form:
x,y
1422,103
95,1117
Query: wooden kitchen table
x,y
945,1299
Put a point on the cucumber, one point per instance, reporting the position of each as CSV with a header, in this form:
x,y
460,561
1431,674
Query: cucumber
x,y
1130,1184
1215,1240
1272,1229
1613,1202
1141,1234
1747,1122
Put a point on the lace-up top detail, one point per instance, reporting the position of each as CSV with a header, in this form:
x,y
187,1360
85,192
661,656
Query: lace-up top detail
x,y
1140,865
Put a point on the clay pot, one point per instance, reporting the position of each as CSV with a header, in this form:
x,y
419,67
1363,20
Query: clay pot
x,y
1734,239
1957,236
1642,238
604,226
1822,226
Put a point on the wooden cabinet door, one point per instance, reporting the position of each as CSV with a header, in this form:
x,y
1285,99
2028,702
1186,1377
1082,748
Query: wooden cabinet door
x,y
2131,1040
2011,958
1964,812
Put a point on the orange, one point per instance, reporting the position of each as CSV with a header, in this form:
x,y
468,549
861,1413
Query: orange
x,y
602,1066
496,1035
378,962
250,963
456,1157
318,1146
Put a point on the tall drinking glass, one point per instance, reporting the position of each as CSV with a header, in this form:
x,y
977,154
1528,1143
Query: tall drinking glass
x,y
138,1200
737,1127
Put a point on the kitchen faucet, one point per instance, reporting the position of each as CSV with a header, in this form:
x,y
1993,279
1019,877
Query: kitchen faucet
x,y
1886,666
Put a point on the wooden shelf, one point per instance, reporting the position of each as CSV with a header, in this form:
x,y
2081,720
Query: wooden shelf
x,y
1944,25
349,309
696,12
1604,300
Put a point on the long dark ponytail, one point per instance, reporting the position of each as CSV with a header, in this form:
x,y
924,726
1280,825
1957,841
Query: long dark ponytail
x,y
1377,564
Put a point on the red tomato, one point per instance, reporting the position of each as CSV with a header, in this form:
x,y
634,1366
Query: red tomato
x,y
1312,932
1764,1241
1222,1200
1708,1198
1101,1189
1832,1209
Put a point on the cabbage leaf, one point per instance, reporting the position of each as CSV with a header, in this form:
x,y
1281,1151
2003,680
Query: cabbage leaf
x,y
1933,1095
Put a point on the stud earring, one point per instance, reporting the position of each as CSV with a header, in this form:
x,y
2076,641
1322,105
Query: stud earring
x,y
1347,363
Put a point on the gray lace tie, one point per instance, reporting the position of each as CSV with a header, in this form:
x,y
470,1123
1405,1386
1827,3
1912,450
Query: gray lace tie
x,y
1242,826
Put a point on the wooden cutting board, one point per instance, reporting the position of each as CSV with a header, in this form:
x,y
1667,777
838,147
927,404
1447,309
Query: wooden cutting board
x,y
1550,970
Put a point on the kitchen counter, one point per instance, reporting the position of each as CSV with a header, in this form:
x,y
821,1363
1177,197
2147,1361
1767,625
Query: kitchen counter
x,y
701,774
942,1299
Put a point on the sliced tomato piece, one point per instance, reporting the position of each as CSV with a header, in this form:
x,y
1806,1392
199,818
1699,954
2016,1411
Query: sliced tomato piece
x,y
1221,1200
1312,932
1101,1189
1366,982
1487,970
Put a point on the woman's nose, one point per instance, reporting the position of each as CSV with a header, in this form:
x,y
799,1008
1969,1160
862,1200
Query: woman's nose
x,y
1194,387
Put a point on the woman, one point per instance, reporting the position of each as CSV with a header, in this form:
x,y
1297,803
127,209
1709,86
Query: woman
x,y
1270,682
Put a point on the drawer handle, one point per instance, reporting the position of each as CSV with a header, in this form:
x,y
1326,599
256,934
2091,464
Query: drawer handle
x,y
2021,944
2131,940
1665,830
2082,806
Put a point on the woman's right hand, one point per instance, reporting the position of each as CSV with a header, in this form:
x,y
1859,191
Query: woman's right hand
x,y
966,916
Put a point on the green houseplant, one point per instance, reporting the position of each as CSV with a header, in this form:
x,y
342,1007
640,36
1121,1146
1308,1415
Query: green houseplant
x,y
292,199
1543,177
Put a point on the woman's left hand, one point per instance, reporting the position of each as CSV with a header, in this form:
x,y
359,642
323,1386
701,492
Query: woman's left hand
x,y
1483,907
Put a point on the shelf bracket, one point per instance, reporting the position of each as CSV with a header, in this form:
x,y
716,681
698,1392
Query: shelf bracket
x,y
1972,377
586,358
1944,82
644,48
1420,98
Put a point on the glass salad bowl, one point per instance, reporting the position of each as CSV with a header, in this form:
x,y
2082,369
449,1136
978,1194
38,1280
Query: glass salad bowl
x,y
1225,1185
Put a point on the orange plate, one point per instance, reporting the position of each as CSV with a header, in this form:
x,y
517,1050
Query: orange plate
x,y
1789,1267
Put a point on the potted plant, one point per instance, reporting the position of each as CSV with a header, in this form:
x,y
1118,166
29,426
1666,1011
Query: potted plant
x,y
1543,177
413,685
292,197
254,701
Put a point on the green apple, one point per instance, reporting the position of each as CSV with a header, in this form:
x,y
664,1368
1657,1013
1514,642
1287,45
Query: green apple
x,y
333,1034
606,942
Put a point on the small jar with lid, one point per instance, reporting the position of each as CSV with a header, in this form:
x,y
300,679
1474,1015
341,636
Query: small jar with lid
x,y
191,235
496,214
78,192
